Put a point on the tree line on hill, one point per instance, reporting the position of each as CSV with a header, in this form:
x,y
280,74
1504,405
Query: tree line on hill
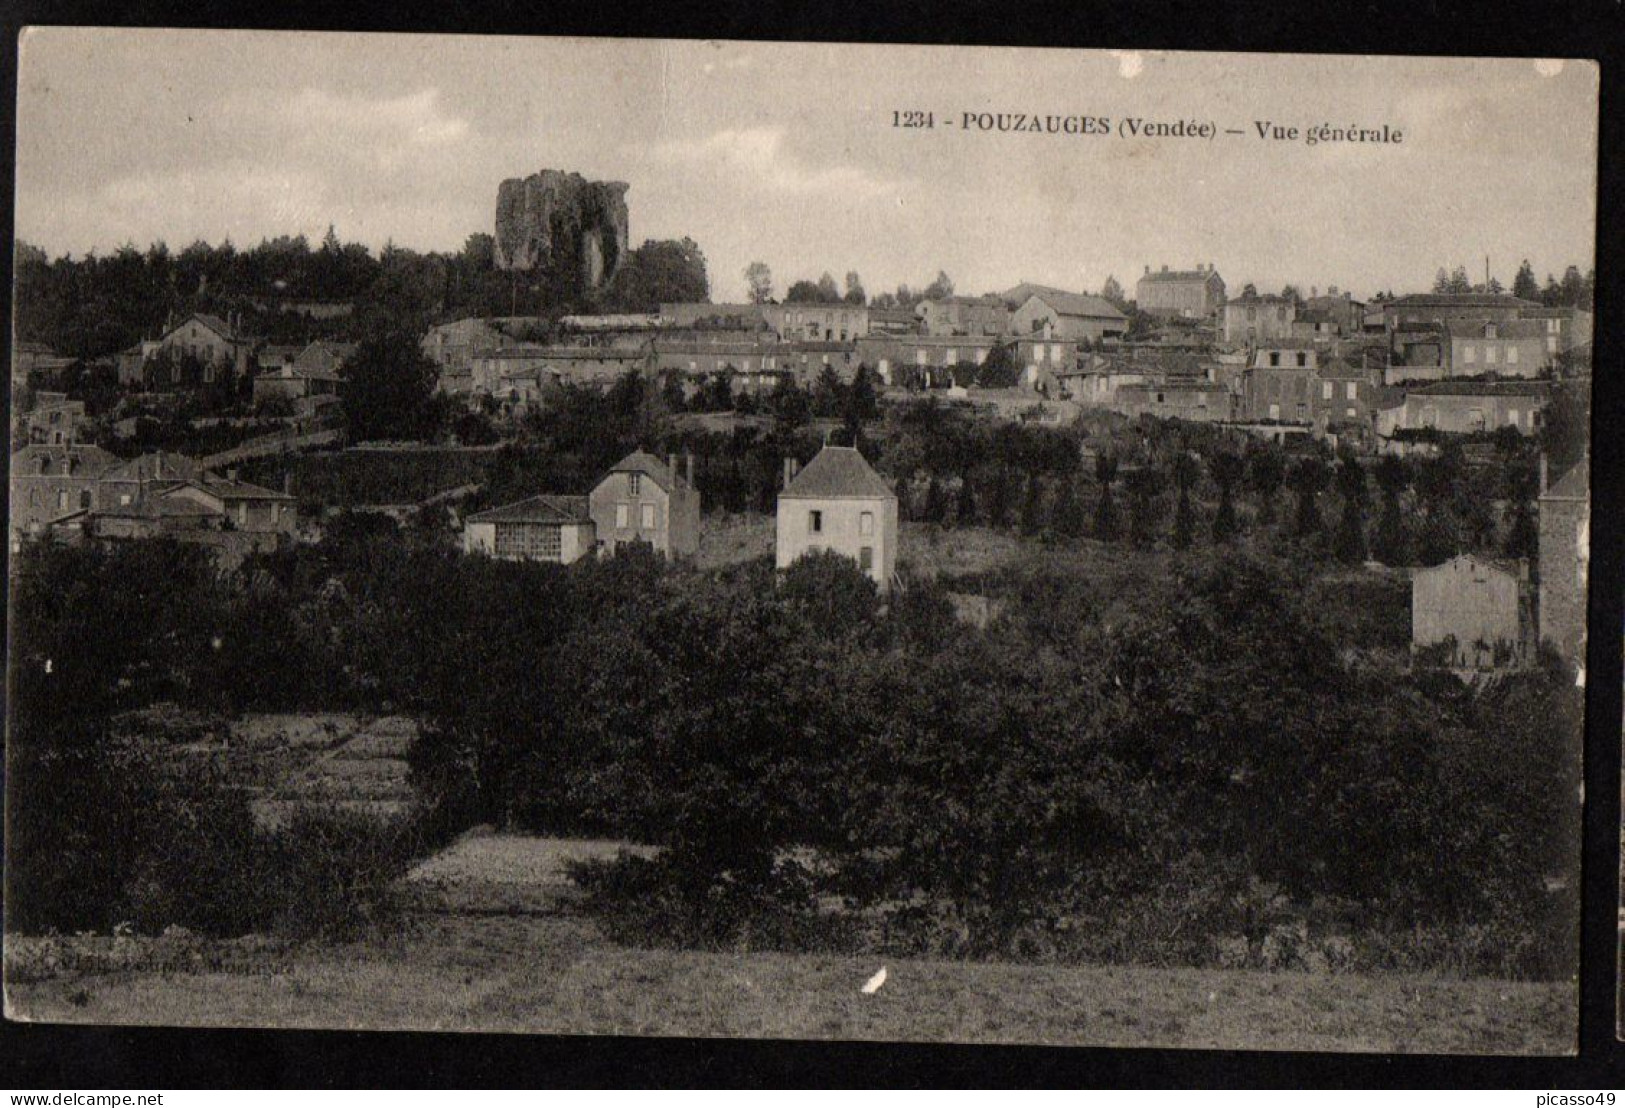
x,y
96,305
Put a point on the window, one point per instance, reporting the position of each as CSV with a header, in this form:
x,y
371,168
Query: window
x,y
1275,411
1512,355
1512,417
815,522
623,517
540,541
1303,359
648,520
634,483
1275,358
1351,390
981,356
1325,390
953,356
919,356
84,499
62,500
866,559
866,523
1491,355
1475,419
1350,413
1469,354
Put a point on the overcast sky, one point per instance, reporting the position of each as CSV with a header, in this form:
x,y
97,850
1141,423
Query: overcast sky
x,y
787,154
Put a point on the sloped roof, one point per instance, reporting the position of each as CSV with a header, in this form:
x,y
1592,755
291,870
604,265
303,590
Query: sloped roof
x,y
1510,567
157,466
1511,329
1460,300
1481,388
1064,303
227,489
838,472
1180,275
212,322
1573,485
538,509
94,459
641,461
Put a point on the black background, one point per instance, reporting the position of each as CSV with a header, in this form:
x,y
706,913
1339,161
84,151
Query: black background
x,y
47,1058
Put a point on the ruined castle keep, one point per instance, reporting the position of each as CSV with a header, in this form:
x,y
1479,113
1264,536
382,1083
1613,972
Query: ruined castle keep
x,y
564,225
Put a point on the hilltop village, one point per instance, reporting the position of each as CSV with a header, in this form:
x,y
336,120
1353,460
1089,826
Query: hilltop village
x,y
274,364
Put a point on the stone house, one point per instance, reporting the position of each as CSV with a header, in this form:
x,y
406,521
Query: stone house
x,y
537,529
453,346
1194,400
521,374
50,481
314,371
926,358
1482,608
838,503
963,315
1564,328
817,322
1565,557
1468,407
210,340
1068,316
644,500
1254,319
1184,293
54,420
1406,311
1511,348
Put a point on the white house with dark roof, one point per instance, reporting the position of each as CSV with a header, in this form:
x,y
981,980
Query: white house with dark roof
x,y
644,500
537,529
838,503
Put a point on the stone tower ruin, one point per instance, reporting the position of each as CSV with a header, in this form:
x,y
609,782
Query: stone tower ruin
x,y
569,228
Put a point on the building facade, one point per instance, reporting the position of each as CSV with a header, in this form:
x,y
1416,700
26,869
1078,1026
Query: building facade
x,y
838,503
817,322
642,500
538,529
1255,319
1185,294
1481,609
1565,558
1469,407
1067,316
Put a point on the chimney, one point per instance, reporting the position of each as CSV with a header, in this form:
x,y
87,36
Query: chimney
x,y
1543,473
231,473
671,466
789,472
689,459
1148,271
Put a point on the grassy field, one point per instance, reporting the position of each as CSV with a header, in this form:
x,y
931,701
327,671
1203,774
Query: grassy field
x,y
492,943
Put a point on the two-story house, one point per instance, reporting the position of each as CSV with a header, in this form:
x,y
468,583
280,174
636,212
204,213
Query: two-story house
x,y
839,503
644,500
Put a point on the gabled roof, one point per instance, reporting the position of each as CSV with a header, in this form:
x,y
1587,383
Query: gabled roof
x,y
641,461
1065,303
538,509
838,472
212,322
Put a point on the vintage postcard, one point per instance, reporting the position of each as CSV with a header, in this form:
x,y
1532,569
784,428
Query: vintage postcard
x,y
798,541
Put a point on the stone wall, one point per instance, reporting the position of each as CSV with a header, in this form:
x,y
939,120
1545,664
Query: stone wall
x,y
564,225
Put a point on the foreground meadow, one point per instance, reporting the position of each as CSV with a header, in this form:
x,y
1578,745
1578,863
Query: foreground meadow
x,y
492,942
